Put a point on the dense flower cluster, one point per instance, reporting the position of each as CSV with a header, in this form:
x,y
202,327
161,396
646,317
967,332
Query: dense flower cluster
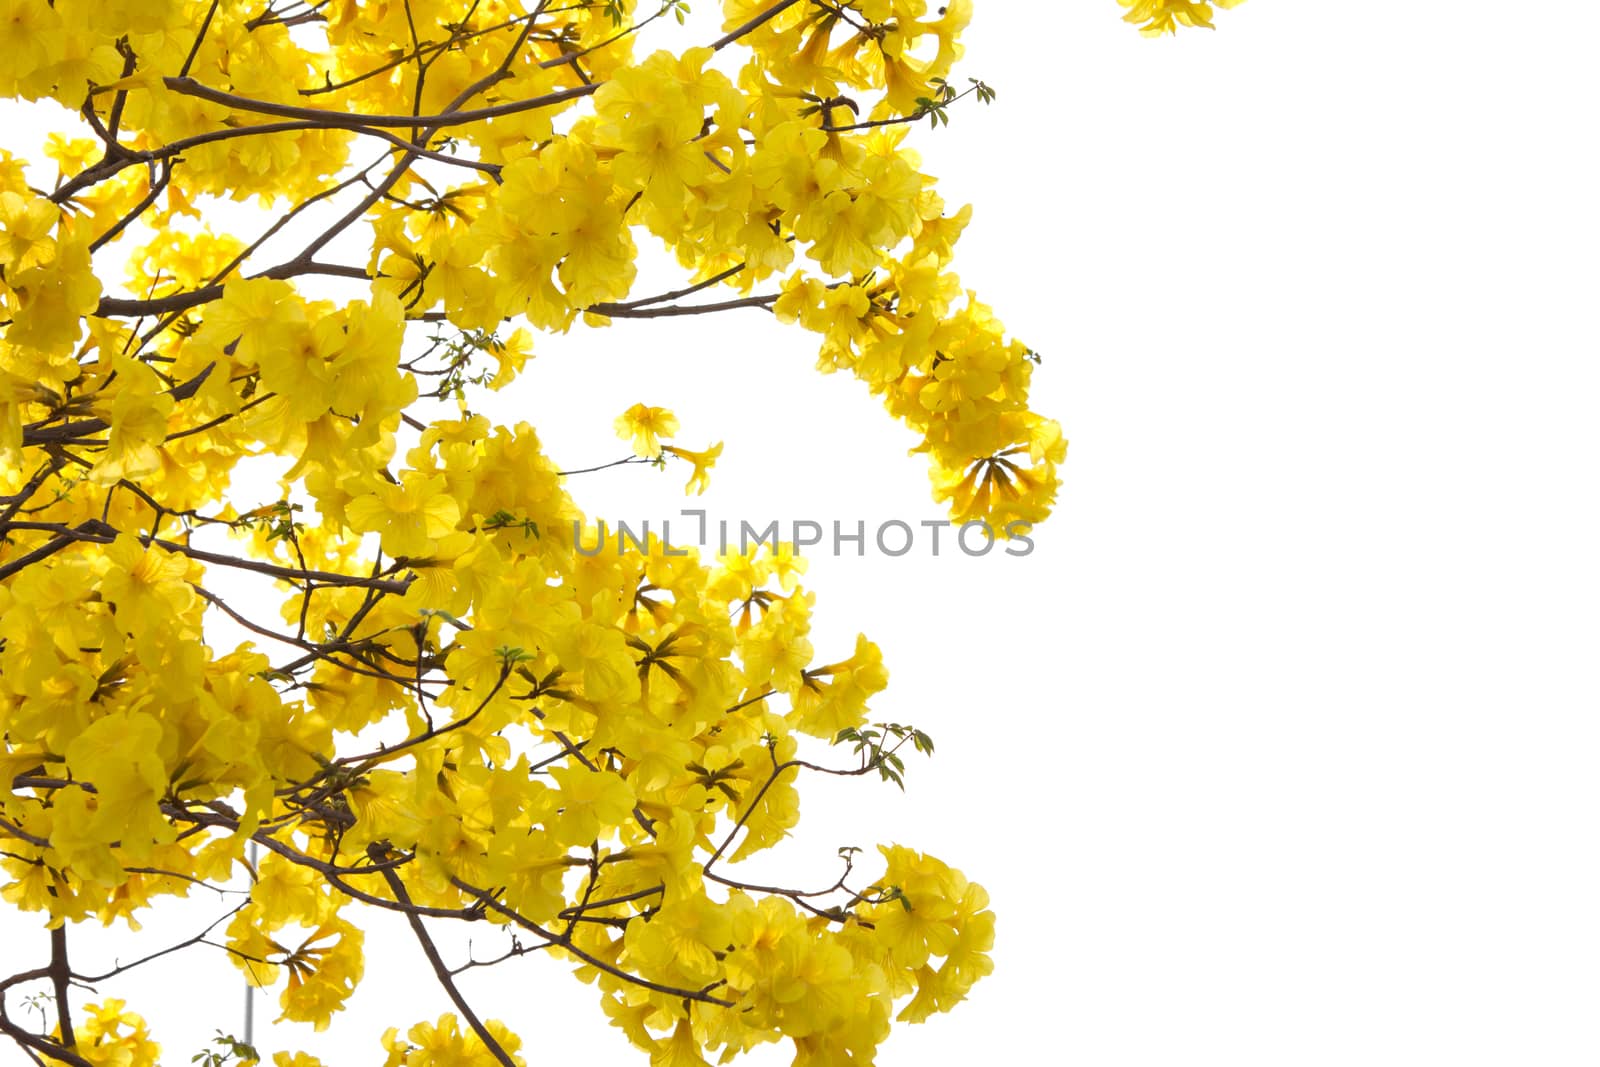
x,y
446,710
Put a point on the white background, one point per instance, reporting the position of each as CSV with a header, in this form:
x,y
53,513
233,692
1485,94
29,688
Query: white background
x,y
1280,748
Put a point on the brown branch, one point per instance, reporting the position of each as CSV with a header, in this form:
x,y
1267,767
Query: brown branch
x,y
429,949
835,914
352,120
169,950
326,651
22,496
451,112
42,433
20,834
366,762
114,164
916,116
577,54
138,209
39,781
591,905
777,770
432,46
753,700
369,601
255,401
516,917
622,311
130,63
605,466
770,13
686,291
283,220
119,307
194,49
60,980
44,551
218,816
39,1044
516,949
94,532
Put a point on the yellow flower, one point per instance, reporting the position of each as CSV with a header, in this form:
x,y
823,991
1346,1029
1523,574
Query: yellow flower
x,y
138,419
25,225
72,154
448,1044
407,517
1156,17
703,462
592,803
145,586
823,708
109,1035
787,565
679,1050
642,426
294,1059
510,356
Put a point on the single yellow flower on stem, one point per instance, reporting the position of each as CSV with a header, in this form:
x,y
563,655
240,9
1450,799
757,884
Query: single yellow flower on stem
x,y
642,426
703,462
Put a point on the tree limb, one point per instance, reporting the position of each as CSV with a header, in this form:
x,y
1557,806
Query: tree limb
x,y
429,949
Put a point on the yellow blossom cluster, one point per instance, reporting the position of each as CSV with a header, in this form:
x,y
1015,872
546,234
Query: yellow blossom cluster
x,y
443,708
